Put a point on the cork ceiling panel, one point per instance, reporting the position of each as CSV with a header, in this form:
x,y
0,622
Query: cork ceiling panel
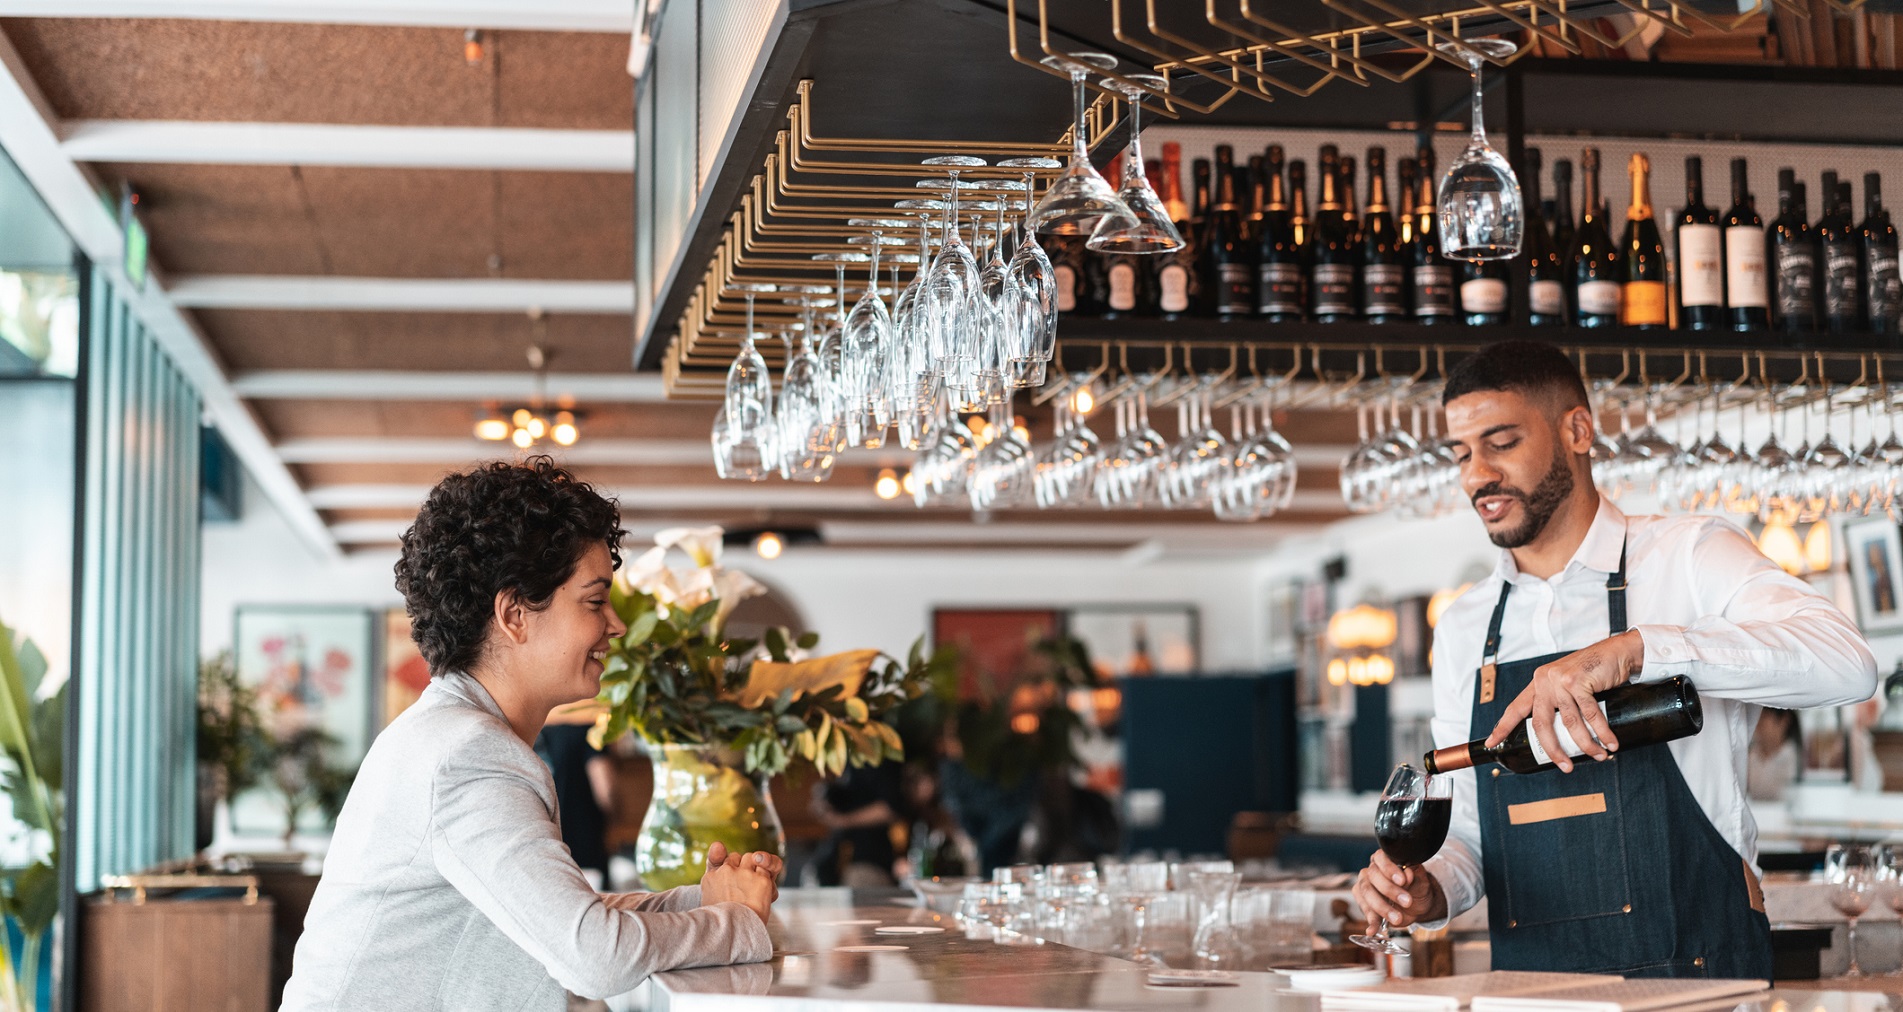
x,y
297,419
133,68
248,339
611,476
222,219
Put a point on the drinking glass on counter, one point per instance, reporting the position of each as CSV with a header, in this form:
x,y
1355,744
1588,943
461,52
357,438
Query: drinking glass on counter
x,y
1890,879
1851,871
1138,884
1215,942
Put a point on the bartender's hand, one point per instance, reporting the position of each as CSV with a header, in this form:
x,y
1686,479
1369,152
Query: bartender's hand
x,y
1565,688
1399,895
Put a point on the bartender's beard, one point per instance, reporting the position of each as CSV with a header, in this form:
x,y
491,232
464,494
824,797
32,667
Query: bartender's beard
x,y
1537,507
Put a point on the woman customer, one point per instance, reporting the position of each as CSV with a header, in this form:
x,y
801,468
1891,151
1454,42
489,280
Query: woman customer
x,y
447,884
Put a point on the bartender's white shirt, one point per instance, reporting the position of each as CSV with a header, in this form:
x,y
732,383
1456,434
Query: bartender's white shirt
x,y
1708,605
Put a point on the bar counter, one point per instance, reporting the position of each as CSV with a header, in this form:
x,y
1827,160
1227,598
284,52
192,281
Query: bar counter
x,y
820,963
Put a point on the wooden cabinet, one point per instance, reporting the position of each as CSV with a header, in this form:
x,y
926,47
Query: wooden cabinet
x,y
168,955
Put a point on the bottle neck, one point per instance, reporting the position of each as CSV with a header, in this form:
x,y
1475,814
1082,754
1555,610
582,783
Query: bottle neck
x,y
1641,206
1278,191
1589,192
1738,185
1330,201
1563,201
1377,188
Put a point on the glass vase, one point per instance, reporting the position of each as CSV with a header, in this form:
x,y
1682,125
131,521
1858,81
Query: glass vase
x,y
703,795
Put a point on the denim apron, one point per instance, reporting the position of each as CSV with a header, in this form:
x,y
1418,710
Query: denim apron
x,y
1614,867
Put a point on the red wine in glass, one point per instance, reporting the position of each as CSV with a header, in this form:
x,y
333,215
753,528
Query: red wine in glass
x,y
1410,822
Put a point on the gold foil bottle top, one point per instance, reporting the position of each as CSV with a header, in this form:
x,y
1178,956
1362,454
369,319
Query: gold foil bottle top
x,y
1447,760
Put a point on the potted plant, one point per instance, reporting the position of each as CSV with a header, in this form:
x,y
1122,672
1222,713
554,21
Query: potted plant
x,y
31,732
233,746
721,716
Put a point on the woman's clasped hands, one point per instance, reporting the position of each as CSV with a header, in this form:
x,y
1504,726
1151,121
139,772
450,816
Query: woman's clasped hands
x,y
751,880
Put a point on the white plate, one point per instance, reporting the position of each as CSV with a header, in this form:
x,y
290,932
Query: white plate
x,y
908,929
1192,977
846,924
872,948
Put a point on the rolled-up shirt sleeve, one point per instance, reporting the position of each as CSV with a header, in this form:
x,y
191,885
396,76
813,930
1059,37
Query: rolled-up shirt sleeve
x,y
494,839
1766,638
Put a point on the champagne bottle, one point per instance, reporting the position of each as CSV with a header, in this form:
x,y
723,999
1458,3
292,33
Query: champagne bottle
x,y
1074,294
1483,293
1203,295
1345,188
1642,300
1837,239
1882,286
1746,295
1793,253
1332,280
1222,239
1545,295
1640,714
1430,276
1278,279
1404,206
1593,268
1173,202
1563,208
1176,271
1300,223
1252,211
1383,293
1701,267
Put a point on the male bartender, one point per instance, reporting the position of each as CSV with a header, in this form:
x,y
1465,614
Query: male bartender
x,y
1640,862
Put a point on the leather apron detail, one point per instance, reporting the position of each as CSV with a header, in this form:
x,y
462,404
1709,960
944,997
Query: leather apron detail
x,y
1613,867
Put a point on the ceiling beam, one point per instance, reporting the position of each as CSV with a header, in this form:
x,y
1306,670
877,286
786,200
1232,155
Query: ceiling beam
x,y
539,15
353,145
401,385
27,135
432,295
587,452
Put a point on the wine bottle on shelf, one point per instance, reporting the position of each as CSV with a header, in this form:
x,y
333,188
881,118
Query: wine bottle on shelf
x,y
1643,298
1701,266
1383,292
1837,239
1404,205
1252,211
1593,266
1278,278
1175,271
1202,298
1746,294
1332,279
1345,186
1545,295
1430,275
1074,294
1639,713
1562,217
1882,285
1793,254
1483,293
1126,286
1300,222
1222,238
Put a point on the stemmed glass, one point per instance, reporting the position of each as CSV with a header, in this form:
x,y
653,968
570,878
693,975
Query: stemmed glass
x,y
1152,231
806,445
1890,876
1080,201
1410,823
869,332
1850,869
1479,202
1138,884
1031,334
950,285
745,445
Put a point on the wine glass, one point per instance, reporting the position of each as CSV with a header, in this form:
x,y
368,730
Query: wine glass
x,y
1479,202
1151,230
1033,291
1850,869
1410,823
1080,201
1138,883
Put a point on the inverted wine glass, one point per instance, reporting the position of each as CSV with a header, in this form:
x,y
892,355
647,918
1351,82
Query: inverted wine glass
x,y
1410,823
1480,206
1081,199
1151,230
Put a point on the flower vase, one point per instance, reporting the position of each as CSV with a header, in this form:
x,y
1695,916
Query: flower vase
x,y
703,795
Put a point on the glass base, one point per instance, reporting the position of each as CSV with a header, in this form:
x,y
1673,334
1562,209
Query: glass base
x,y
1379,943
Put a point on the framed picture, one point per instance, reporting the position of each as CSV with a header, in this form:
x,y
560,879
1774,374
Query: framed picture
x,y
1874,551
1139,639
313,666
405,673
992,643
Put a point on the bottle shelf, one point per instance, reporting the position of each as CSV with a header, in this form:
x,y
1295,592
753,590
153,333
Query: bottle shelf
x,y
1081,331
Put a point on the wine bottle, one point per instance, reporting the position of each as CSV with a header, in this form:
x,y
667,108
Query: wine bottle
x,y
1545,296
1202,301
1640,714
1173,202
1793,253
1483,293
1383,293
1074,294
1300,223
1701,277
1593,267
1836,238
1430,276
1745,293
1252,210
1222,239
1563,208
1127,285
1404,205
1642,298
1882,285
1332,279
1345,187
1176,271
1278,278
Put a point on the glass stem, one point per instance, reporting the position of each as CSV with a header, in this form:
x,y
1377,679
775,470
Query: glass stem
x,y
1078,153
1480,122
748,337
1136,140
872,285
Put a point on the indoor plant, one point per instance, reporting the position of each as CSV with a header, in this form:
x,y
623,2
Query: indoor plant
x,y
31,732
721,716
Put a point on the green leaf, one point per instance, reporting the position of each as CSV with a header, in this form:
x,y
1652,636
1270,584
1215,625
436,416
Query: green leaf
x,y
36,895
641,628
808,640
775,640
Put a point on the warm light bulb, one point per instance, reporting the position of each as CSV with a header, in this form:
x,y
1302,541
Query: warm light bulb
x,y
538,427
1779,544
769,545
564,430
522,439
1437,605
1025,723
492,429
521,417
908,484
1337,672
1380,669
887,487
1817,547
1083,401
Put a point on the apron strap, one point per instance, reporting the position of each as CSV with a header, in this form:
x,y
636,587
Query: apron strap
x,y
1492,649
1615,597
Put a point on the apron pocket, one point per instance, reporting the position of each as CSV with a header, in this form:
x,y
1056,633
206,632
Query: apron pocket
x,y
1565,854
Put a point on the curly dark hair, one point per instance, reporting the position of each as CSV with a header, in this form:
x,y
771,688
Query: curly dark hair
x,y
502,526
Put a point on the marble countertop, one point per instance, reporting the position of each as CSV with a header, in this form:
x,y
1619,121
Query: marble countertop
x,y
824,959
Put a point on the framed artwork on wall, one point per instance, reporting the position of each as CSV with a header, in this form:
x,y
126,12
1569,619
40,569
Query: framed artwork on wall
x,y
313,667
992,643
1139,639
1874,552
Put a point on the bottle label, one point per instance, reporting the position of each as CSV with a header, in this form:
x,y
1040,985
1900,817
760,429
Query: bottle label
x,y
1334,289
1598,298
1483,295
1644,304
1278,290
1546,298
1123,287
1840,279
1744,268
1886,290
1796,282
1384,289
1173,288
1066,288
1701,279
1433,291
1237,294
1566,742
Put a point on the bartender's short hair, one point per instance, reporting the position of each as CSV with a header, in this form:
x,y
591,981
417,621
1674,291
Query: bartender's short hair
x,y
1531,368
521,527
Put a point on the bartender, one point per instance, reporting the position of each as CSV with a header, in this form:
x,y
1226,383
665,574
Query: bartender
x,y
1638,863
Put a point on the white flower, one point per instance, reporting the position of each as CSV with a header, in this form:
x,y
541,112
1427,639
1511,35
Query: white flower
x,y
649,575
731,586
696,587
702,544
